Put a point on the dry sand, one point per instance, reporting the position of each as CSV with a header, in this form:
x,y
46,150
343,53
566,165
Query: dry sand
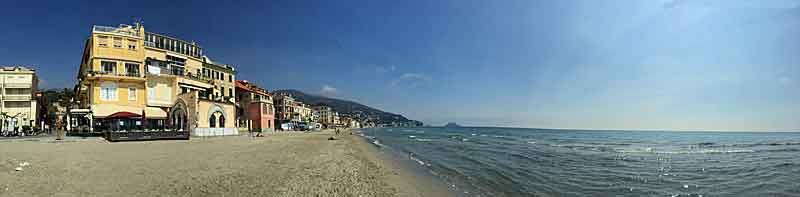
x,y
284,164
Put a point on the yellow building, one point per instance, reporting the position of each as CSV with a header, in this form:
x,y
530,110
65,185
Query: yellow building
x,y
17,104
129,75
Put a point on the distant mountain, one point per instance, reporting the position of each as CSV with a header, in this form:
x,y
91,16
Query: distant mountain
x,y
360,111
452,124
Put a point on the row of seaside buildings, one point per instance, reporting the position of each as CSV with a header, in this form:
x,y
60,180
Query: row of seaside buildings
x,y
134,80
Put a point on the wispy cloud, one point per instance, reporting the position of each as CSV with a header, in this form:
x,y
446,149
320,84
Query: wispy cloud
x,y
785,80
328,91
411,79
674,3
385,69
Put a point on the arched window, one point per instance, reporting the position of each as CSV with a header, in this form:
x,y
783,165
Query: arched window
x,y
221,121
212,121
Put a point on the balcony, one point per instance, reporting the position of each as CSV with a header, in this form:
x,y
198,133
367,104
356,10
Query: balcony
x,y
218,99
17,85
126,30
157,70
122,75
16,97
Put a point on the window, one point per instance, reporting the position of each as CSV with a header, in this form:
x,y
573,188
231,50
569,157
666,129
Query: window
x,y
102,41
108,67
221,121
131,94
132,45
132,70
222,91
151,93
230,91
117,42
230,78
108,91
212,121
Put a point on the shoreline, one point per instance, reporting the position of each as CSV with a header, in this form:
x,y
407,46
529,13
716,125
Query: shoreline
x,y
424,184
279,164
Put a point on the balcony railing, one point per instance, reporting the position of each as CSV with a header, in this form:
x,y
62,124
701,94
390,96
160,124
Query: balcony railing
x,y
113,73
17,85
16,97
198,77
116,30
221,99
177,71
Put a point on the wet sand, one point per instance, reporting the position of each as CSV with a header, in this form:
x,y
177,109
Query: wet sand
x,y
281,164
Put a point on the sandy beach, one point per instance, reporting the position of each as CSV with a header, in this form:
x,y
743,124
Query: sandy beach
x,y
281,164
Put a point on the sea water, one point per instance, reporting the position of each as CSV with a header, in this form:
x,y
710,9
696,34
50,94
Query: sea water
x,y
546,162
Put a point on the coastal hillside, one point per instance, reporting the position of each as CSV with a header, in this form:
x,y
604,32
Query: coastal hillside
x,y
362,112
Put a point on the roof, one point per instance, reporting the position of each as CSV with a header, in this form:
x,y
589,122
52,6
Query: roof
x,y
16,69
247,86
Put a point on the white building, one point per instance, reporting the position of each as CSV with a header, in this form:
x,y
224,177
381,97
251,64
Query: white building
x,y
18,106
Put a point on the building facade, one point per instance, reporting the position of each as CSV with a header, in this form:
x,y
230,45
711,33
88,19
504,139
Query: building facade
x,y
18,105
285,108
325,115
133,80
254,107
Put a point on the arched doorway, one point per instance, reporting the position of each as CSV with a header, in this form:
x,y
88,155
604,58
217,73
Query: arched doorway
x,y
178,116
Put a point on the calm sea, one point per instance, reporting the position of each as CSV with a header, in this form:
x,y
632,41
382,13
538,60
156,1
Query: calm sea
x,y
543,162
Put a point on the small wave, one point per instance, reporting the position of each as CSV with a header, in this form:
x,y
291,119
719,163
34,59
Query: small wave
x,y
747,145
424,140
412,136
419,161
707,151
705,144
377,143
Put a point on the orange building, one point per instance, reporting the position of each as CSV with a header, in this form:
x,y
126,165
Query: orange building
x,y
254,107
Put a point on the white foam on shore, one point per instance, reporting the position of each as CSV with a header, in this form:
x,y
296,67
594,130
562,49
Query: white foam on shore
x,y
377,143
419,161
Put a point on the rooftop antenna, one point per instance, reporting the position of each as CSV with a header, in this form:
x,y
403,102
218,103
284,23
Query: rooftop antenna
x,y
137,21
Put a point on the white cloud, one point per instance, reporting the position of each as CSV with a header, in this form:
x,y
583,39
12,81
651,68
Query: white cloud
x,y
411,79
328,91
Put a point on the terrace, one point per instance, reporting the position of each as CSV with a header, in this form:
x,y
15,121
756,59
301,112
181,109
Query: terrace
x,y
125,30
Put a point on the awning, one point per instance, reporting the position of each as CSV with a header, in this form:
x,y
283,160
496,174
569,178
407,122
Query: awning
x,y
105,110
124,114
155,112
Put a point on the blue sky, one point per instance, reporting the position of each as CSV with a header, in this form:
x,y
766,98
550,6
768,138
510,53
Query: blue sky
x,y
672,65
